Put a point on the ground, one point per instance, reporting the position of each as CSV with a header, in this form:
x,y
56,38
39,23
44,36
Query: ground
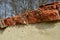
x,y
40,31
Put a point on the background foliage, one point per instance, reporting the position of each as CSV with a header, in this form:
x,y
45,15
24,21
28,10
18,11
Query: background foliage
x,y
12,7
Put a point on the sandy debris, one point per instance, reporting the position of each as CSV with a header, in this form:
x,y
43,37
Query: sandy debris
x,y
41,31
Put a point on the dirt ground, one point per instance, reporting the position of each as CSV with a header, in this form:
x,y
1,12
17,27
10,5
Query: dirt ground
x,y
40,31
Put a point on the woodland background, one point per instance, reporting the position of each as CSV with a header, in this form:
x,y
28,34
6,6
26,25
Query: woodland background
x,y
12,7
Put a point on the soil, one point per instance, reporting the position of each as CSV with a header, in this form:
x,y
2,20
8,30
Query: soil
x,y
38,31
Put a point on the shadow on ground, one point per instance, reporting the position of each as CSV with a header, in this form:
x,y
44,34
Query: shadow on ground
x,y
2,30
45,25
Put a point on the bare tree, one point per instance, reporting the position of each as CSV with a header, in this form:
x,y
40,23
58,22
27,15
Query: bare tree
x,y
5,9
14,6
30,4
